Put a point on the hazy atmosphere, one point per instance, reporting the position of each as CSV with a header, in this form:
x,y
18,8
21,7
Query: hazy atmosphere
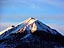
x,y
50,12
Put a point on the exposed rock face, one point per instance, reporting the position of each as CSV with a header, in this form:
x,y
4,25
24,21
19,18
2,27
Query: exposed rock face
x,y
31,34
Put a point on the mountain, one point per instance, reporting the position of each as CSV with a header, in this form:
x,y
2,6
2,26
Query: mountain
x,y
31,33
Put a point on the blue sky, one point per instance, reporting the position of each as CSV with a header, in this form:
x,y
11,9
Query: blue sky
x,y
50,12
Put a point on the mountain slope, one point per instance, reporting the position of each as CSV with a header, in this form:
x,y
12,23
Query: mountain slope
x,y
31,31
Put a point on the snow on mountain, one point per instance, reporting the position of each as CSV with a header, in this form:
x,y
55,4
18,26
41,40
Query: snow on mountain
x,y
31,33
29,24
16,28
6,30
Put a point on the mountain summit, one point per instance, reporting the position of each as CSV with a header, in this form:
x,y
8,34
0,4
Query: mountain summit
x,y
31,31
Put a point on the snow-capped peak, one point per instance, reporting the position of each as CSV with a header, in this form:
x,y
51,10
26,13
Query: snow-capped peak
x,y
20,27
31,24
29,20
34,25
27,24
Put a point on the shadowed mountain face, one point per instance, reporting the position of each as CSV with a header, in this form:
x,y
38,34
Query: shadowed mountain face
x,y
31,33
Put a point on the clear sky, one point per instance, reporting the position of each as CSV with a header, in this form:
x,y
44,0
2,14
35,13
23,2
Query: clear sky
x,y
50,12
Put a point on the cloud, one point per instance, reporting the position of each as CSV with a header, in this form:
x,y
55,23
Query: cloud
x,y
58,19
4,26
55,17
18,3
55,3
33,3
